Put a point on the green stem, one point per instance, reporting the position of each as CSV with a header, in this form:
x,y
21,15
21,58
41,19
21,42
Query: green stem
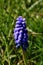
x,y
24,57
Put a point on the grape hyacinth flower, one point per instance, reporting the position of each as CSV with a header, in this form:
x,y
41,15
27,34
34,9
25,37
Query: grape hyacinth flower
x,y
21,33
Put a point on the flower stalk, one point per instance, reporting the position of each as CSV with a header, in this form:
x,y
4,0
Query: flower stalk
x,y
24,57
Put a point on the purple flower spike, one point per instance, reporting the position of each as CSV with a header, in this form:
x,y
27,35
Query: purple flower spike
x,y
21,33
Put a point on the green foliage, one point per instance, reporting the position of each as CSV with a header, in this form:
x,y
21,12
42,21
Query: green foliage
x,y
32,10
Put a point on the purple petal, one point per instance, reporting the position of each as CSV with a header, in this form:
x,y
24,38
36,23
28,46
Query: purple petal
x,y
16,26
19,18
24,19
18,22
21,32
17,45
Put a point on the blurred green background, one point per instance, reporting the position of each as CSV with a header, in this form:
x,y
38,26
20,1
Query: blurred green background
x,y
32,10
